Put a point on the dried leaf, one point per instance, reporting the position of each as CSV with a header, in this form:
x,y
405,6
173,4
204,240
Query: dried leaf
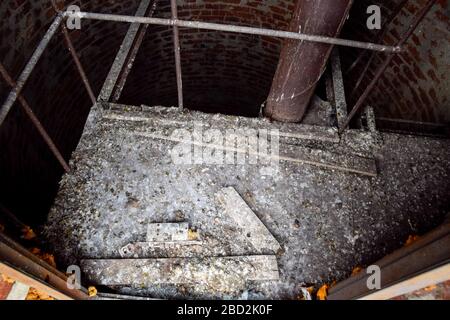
x,y
92,291
47,257
7,279
28,233
34,294
322,293
411,239
192,235
356,270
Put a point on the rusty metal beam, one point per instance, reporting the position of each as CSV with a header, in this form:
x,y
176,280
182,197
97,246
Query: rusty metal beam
x,y
40,128
302,64
132,56
176,44
15,258
340,102
380,71
379,36
401,270
25,75
75,57
121,57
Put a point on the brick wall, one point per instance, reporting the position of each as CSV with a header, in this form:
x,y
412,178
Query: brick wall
x,y
417,84
222,72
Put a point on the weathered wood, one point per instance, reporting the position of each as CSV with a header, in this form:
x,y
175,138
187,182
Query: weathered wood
x,y
252,227
150,272
162,232
167,117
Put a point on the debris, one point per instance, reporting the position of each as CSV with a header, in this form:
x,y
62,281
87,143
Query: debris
x,y
219,272
255,231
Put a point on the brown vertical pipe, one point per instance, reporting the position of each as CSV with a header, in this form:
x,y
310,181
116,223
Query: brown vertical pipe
x,y
302,63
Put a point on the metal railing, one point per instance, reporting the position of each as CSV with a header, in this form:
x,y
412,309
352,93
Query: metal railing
x,y
176,23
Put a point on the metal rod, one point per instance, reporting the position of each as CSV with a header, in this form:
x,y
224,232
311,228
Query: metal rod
x,y
235,29
29,68
373,54
121,57
386,63
76,59
40,128
132,56
176,48
380,35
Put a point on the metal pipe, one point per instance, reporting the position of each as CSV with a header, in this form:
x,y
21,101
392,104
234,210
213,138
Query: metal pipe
x,y
40,128
301,64
176,44
29,68
386,63
235,29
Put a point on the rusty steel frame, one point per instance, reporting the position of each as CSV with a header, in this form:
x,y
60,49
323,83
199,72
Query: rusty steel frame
x,y
175,23
380,34
234,29
382,68
117,92
127,46
38,125
25,75
358,82
176,45
24,266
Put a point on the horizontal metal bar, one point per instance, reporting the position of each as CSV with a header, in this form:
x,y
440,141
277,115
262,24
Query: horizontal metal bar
x,y
235,29
29,68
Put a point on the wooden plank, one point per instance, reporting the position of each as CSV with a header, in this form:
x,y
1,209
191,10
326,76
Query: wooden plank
x,y
163,232
200,270
288,153
147,249
167,117
252,227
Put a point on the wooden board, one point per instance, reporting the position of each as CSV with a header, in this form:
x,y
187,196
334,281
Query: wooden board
x,y
252,227
209,270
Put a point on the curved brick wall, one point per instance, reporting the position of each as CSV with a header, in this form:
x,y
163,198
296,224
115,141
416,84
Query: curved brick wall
x,y
222,72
